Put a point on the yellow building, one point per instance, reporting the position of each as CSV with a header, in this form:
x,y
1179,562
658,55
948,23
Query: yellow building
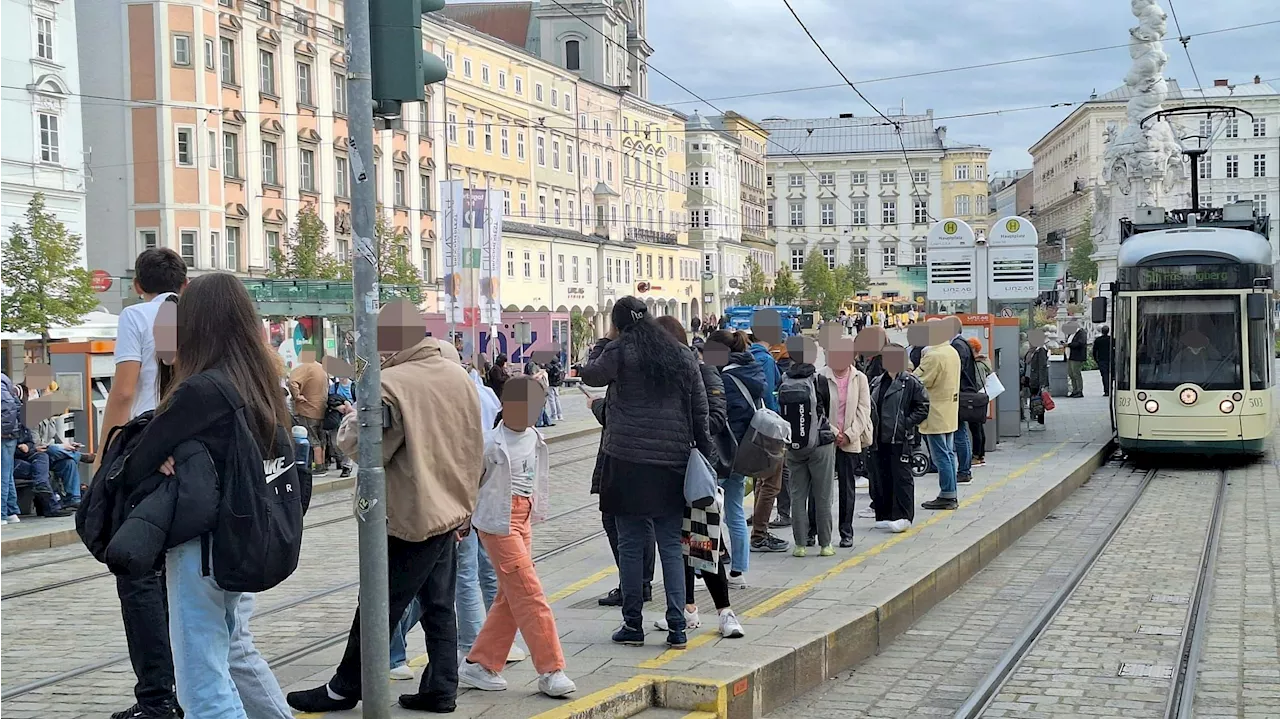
x,y
964,185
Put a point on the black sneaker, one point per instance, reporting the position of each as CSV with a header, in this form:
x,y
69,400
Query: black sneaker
x,y
769,544
811,541
428,703
964,479
612,599
647,595
346,472
318,700
630,636
846,542
940,503
780,522
137,711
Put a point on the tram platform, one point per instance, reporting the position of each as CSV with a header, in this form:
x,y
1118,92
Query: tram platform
x,y
805,618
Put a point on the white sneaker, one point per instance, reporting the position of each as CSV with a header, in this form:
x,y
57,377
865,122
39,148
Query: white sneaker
x,y
730,627
401,672
899,525
477,677
866,513
884,524
556,684
516,654
13,519
861,483
4,521
691,622
738,582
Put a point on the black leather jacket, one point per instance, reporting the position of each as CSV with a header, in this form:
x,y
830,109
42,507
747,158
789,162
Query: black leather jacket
x,y
905,406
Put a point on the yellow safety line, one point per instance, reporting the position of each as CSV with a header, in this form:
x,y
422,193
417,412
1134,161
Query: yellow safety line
x,y
581,584
799,590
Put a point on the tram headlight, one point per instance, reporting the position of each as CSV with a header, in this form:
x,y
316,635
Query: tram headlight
x,y
1236,396
1142,396
1188,396
1152,406
1226,406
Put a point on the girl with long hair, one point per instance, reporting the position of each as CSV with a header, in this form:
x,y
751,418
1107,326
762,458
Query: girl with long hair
x,y
655,410
221,363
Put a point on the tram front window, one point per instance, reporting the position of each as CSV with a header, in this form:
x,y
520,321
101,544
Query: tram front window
x,y
1188,339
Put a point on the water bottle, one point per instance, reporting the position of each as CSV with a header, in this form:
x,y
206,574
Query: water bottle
x,y
301,449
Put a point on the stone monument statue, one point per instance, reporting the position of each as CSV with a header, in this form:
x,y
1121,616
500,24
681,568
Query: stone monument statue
x,y
1141,166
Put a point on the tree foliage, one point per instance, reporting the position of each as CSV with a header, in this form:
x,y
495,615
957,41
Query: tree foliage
x,y
45,286
304,254
756,291
785,289
580,335
1079,264
852,279
394,258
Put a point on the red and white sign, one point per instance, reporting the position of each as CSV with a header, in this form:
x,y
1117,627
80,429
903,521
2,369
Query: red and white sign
x,y
101,281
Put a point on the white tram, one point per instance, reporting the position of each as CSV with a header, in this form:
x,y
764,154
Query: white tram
x,y
1192,317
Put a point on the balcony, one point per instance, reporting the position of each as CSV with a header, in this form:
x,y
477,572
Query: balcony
x,y
652,237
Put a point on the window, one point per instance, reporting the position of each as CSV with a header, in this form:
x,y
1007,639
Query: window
x,y
859,256
555,154
1259,127
608,129
770,213
797,214
264,9
829,254
608,170
212,149
648,265
231,154
858,177
595,126
214,241
962,204
1260,203
181,49
228,58
828,214
888,212
888,257
572,50
1260,165
266,72
542,265
269,163
981,204
962,172
827,179
451,129
888,178
209,57
502,79
233,248
921,257
560,268
187,247
860,212
1206,128
695,179
768,181
504,142
466,67
506,203
304,84
185,147
537,92
398,187
340,177
339,34
520,145
340,94
920,211
1206,199
1232,199
524,204
44,38
511,263
1233,165
1164,362
528,265
795,180
626,266
555,213
920,176
484,74
488,137
428,267
797,260
49,143
608,269
471,132
979,172
542,208
1204,168
575,269
1232,125
555,97
519,85
542,151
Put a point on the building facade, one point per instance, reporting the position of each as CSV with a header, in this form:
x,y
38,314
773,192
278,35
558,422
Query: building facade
x,y
43,149
848,191
964,184
756,236
715,211
1003,192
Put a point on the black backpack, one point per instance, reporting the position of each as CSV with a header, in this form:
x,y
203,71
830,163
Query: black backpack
x,y
798,404
555,374
332,417
100,514
259,534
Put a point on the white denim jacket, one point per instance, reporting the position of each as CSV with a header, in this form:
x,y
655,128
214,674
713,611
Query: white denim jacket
x,y
493,505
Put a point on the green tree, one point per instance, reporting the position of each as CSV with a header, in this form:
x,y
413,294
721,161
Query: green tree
x,y
756,290
1079,264
580,335
823,286
785,289
850,280
45,286
395,261
305,252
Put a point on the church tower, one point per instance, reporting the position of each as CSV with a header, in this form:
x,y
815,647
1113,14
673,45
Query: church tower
x,y
614,53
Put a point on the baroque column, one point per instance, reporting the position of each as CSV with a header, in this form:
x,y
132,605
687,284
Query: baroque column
x,y
1141,166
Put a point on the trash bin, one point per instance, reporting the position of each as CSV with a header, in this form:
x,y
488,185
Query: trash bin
x,y
1057,376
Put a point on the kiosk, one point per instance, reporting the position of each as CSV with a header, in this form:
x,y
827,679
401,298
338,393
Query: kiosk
x,y
84,371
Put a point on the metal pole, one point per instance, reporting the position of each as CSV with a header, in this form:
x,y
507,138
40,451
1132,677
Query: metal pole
x,y
371,502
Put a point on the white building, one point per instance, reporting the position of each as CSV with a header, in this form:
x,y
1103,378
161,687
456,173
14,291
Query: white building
x,y
712,161
853,194
42,149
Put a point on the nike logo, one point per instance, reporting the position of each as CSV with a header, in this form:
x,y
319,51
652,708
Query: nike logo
x,y
274,468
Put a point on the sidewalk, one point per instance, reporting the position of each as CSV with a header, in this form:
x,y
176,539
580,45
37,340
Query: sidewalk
x,y
35,533
805,619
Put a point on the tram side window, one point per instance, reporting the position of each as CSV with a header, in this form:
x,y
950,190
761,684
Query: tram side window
x,y
1121,334
1260,353
1193,339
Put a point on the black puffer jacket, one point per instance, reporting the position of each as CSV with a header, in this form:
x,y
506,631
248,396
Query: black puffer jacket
x,y
904,407
643,424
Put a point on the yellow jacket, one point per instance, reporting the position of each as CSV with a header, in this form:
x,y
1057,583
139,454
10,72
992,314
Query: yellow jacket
x,y
939,370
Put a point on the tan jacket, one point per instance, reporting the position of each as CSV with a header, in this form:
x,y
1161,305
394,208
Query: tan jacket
x,y
309,386
433,450
939,370
856,422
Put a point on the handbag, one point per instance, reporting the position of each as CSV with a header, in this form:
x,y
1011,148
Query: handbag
x,y
1047,400
994,386
699,477
760,454
973,407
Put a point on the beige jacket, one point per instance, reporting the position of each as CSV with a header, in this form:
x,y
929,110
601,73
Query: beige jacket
x,y
940,371
856,422
433,449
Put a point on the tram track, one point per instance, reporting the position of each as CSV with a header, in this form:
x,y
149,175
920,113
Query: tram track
x,y
1181,690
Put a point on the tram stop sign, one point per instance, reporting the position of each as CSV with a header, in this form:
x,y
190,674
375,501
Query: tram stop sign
x,y
952,256
1013,260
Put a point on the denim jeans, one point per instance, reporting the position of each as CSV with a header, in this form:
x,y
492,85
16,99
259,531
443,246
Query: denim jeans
x,y
633,534
65,464
735,518
9,492
963,444
553,404
36,469
474,594
144,609
942,449
220,673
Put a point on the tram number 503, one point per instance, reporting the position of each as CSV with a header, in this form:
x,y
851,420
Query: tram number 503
x,y
1124,401
1255,401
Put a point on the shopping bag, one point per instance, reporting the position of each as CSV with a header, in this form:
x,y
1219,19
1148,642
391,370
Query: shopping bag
x,y
699,480
1047,400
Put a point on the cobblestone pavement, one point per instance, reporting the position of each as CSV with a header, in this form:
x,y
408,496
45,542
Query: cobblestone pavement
x,y
1239,669
931,669
71,627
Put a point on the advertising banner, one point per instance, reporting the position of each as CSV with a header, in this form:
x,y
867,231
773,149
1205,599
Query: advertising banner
x,y
453,241
491,261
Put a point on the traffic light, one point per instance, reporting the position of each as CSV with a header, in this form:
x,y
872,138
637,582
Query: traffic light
x,y
401,68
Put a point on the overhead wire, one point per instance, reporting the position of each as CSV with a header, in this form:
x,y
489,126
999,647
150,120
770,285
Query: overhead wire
x,y
1185,39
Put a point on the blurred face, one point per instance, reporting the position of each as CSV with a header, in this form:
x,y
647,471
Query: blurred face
x,y
715,353
400,327
828,334
522,400
1036,337
767,326
918,335
802,349
939,332
870,341
165,331
840,355
338,367
894,359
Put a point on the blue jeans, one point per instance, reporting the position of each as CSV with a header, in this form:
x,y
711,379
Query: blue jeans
x,y
964,449
735,517
476,589
219,672
633,535
65,464
9,492
942,449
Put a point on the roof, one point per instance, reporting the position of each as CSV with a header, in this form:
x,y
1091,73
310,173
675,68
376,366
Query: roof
x,y
1230,244
830,136
507,21
553,232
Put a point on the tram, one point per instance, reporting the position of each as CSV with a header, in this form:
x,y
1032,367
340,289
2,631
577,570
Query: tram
x,y
1192,312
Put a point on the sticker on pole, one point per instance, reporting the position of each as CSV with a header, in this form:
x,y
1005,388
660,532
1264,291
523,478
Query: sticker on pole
x,y
951,274
1013,232
950,233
